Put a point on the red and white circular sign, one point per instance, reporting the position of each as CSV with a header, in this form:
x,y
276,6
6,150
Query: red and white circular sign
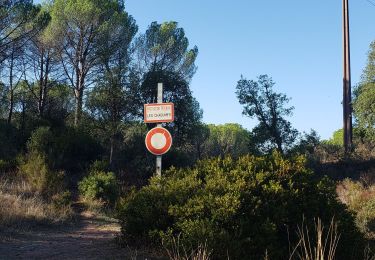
x,y
158,140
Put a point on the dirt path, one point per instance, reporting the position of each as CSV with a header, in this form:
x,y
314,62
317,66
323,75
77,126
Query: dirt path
x,y
90,237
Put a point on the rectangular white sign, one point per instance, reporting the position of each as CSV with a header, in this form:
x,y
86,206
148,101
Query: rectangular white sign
x,y
159,113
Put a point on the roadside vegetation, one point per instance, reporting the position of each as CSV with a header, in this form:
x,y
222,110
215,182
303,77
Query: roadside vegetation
x,y
24,208
74,76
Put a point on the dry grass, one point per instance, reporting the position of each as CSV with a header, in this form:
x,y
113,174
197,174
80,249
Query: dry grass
x,y
350,193
364,150
177,251
96,206
22,208
359,196
316,246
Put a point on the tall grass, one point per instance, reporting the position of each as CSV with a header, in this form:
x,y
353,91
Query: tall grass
x,y
319,245
177,251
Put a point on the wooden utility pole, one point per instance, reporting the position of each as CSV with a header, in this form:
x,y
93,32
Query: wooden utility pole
x,y
347,93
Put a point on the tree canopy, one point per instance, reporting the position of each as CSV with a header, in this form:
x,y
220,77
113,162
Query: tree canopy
x,y
364,97
164,47
76,30
260,101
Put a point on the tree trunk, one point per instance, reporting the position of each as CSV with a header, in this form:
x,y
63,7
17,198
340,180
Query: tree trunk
x,y
11,90
199,153
79,103
111,152
279,145
11,106
45,84
23,119
41,77
43,81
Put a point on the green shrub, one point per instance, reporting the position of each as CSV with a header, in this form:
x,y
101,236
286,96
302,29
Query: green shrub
x,y
99,185
243,207
75,149
365,219
41,140
64,148
35,170
98,166
40,177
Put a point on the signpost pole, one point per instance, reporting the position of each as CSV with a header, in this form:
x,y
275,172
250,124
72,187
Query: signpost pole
x,y
158,157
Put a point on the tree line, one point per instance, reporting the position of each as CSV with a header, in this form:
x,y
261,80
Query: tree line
x,y
83,66
78,63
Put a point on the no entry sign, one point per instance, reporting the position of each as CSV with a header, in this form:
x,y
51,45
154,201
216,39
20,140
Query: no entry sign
x,y
158,140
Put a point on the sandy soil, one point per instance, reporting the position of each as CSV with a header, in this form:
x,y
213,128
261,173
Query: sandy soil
x,y
90,237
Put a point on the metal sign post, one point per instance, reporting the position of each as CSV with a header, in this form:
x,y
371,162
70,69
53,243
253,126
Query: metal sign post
x,y
158,140
158,157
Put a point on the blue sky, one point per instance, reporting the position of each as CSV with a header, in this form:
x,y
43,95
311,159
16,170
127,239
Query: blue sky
x,y
297,43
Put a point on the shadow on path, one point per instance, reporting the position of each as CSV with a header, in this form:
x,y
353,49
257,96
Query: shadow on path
x,y
90,237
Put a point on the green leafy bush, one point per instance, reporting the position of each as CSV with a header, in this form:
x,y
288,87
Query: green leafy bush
x,y
36,171
98,166
243,207
44,180
41,140
65,148
99,185
75,149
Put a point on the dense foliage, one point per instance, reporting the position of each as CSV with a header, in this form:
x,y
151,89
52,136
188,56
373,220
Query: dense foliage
x,y
99,185
243,207
260,101
74,78
364,97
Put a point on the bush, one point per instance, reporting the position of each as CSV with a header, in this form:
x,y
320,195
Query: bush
x,y
62,199
75,150
243,207
41,140
361,201
365,219
98,166
350,193
99,185
66,148
10,140
40,177
35,170
327,152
